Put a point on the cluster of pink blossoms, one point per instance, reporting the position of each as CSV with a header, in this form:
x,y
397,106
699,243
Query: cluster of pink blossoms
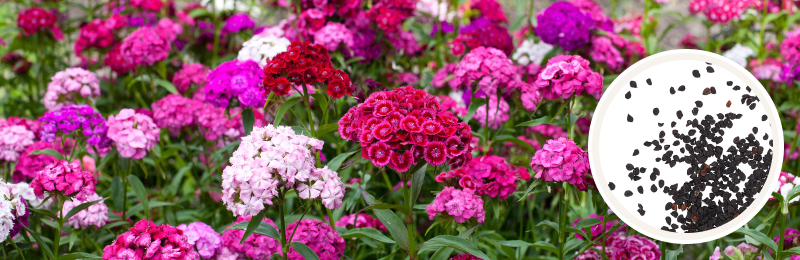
x,y
256,246
768,69
744,250
490,67
146,240
598,229
562,160
786,182
447,103
13,141
95,215
620,247
317,235
71,86
790,49
168,30
566,75
719,11
487,175
30,164
64,178
99,33
272,156
144,47
133,133
203,237
332,35
360,220
215,125
174,112
34,125
461,205
496,115
603,50
396,127
193,74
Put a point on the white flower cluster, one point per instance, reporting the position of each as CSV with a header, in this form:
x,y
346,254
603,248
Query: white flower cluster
x,y
263,47
739,54
11,208
530,52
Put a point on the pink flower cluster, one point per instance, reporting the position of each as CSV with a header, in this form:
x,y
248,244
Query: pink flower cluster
x,y
486,175
34,125
145,47
64,178
396,127
620,247
174,112
216,125
146,240
490,67
168,30
568,75
317,235
272,156
404,41
332,35
71,86
133,133
790,49
768,69
465,257
440,78
461,205
598,229
496,115
744,250
256,246
30,164
603,50
719,11
449,104
99,33
203,237
95,215
13,141
360,220
192,74
562,160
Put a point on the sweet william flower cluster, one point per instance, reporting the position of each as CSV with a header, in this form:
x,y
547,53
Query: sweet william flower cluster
x,y
486,175
74,120
317,235
133,133
203,237
73,85
235,79
146,240
13,211
461,205
95,215
309,64
65,179
256,246
562,160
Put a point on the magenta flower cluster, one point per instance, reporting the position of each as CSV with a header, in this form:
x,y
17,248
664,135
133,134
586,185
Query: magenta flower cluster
x,y
255,246
598,229
332,35
64,178
564,25
133,133
461,205
145,47
490,67
486,175
235,79
146,240
69,87
203,237
360,220
30,164
238,22
174,112
620,247
95,215
69,119
565,76
562,160
317,235
192,74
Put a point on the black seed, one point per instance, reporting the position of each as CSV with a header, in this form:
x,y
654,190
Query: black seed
x,y
660,183
737,88
709,69
649,82
653,188
660,124
611,185
669,220
628,95
770,142
628,193
673,124
629,167
674,214
752,106
755,130
630,118
696,73
668,206
764,118
698,103
647,144
655,111
680,114
672,90
641,212
730,83
748,88
766,136
713,90
682,88
662,134
695,111
633,84
635,152
640,190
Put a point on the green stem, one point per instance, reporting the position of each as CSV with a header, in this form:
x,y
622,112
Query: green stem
x,y
284,245
18,250
330,217
783,229
561,223
57,238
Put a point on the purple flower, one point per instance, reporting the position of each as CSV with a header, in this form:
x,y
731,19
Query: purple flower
x,y
564,25
238,22
445,28
240,79
69,119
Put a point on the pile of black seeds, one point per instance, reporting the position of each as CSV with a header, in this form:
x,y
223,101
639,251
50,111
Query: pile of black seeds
x,y
713,196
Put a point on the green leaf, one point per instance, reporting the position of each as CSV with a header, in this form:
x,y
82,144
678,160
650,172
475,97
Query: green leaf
x,y
530,188
673,254
519,243
367,232
47,213
138,188
199,12
248,119
436,223
254,224
153,204
793,193
395,226
177,178
542,120
327,128
575,230
402,208
263,229
454,242
304,251
760,237
548,223
83,206
336,162
79,255
288,104
508,138
50,152
167,85
793,250
587,222
416,183
474,104
41,242
116,192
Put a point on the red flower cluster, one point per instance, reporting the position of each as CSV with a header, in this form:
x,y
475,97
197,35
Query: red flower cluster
x,y
305,63
116,61
486,175
396,127
99,33
344,8
146,240
17,63
390,14
35,18
149,5
490,9
489,35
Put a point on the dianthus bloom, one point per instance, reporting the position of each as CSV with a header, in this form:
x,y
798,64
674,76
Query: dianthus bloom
x,y
35,18
482,32
238,22
144,47
486,175
99,33
620,247
496,114
317,235
64,178
203,237
491,67
29,164
168,29
13,211
133,133
565,76
744,250
24,190
739,54
790,73
768,69
562,160
16,62
404,41
13,141
174,112
396,127
149,5
193,74
719,11
490,10
603,50
215,124
360,220
594,11
390,14
597,229
531,53
461,205
95,215
564,25
146,240
272,156
305,63
117,61
257,247
235,79
789,241
332,35
70,86
465,257
262,48
70,118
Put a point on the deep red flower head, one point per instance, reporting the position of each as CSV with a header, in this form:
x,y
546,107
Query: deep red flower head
x,y
116,61
390,14
35,18
396,127
305,63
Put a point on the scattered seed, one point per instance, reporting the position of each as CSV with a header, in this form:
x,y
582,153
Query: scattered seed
x,y
629,167
635,152
696,73
611,186
628,95
755,130
633,84
682,88
655,111
673,124
709,69
698,103
730,83
640,190
695,111
737,88
748,88
653,188
649,82
672,90
628,193
660,183
752,106
766,136
713,90
706,91
728,104
680,114
630,118
764,118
